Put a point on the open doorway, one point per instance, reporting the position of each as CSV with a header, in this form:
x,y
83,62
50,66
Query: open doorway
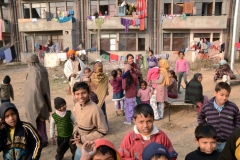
x,y
103,9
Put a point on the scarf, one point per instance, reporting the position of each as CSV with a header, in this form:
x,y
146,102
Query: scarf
x,y
164,67
61,114
99,82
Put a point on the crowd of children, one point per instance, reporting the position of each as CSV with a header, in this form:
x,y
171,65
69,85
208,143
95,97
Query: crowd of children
x,y
218,118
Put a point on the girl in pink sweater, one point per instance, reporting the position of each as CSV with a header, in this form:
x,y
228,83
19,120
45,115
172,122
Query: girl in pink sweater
x,y
144,93
153,74
181,69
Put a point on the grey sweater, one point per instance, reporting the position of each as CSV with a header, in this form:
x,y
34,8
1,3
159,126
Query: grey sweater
x,y
6,91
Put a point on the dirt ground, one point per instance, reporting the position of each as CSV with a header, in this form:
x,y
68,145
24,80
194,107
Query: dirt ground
x,y
180,129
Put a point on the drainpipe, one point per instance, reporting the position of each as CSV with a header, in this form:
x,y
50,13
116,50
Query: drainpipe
x,y
234,32
82,21
154,26
15,27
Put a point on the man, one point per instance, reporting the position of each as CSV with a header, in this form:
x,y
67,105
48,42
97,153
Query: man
x,y
73,68
37,97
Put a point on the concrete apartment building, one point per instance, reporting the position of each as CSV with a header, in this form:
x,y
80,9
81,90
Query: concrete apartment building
x,y
5,23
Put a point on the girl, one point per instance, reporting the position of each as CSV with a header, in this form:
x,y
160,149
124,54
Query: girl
x,y
144,93
153,74
194,92
160,94
129,83
172,88
152,60
118,96
181,68
119,72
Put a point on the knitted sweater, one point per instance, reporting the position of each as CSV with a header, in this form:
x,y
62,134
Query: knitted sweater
x,y
91,123
181,66
116,84
225,122
198,155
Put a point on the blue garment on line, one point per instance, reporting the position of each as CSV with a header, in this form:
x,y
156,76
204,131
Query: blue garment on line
x,y
2,55
36,45
8,55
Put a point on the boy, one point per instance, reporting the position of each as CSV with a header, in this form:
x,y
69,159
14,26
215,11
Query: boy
x,y
232,147
222,114
6,90
19,140
205,138
99,149
143,133
155,151
90,119
64,120
86,75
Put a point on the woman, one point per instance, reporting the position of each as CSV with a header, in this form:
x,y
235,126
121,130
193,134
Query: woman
x,y
135,70
160,94
194,92
99,85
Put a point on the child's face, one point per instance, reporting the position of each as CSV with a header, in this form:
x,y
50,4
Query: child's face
x,y
169,75
144,124
82,96
149,54
162,157
86,72
63,108
10,118
143,86
200,78
100,156
221,97
206,145
181,55
119,73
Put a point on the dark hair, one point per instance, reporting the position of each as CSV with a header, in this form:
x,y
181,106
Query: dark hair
x,y
129,56
156,156
223,85
87,69
144,109
129,80
114,74
81,85
173,74
105,149
143,82
151,51
205,131
181,52
119,70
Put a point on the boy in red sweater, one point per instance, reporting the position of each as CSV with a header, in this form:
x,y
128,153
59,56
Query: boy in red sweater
x,y
144,132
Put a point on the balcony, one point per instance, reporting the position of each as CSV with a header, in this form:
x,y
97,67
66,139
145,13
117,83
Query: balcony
x,y
27,25
113,23
196,22
6,26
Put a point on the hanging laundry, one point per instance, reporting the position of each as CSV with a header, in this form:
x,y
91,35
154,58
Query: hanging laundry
x,y
134,22
184,17
2,56
66,13
34,19
137,22
43,48
48,16
215,47
222,47
113,57
141,8
71,12
106,56
103,52
145,62
62,14
62,56
238,46
142,24
13,52
126,23
162,18
36,45
169,16
8,55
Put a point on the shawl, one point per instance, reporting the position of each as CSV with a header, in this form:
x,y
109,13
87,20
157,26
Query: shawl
x,y
68,68
136,70
99,83
194,90
164,67
37,92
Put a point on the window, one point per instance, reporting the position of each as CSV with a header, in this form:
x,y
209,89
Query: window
x,y
41,40
93,40
127,42
38,9
108,42
5,12
180,41
58,39
93,7
7,40
207,9
166,41
103,9
216,36
56,8
167,8
29,43
203,35
177,8
69,6
141,42
218,8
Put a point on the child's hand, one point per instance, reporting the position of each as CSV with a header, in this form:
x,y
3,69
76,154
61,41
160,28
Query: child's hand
x,y
77,138
88,150
53,141
1,124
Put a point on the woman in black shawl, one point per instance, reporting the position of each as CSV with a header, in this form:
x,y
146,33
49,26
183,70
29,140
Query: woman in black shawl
x,y
194,92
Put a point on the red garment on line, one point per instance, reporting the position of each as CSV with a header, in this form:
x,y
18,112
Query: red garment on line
x,y
113,57
134,22
142,13
238,46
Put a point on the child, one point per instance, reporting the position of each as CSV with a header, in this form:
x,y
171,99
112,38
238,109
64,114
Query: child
x,y
222,114
119,71
205,137
152,60
194,92
118,95
64,119
6,90
181,68
153,74
172,87
91,123
144,93
86,75
129,84
144,132
19,140
155,151
232,147
100,149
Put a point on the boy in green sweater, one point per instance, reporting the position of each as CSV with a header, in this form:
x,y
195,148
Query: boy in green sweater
x,y
64,119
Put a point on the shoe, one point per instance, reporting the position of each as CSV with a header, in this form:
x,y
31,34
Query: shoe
x,y
129,123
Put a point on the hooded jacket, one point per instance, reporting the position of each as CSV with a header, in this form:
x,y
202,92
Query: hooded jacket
x,y
26,143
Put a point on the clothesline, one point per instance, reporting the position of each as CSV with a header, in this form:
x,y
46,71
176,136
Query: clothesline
x,y
9,54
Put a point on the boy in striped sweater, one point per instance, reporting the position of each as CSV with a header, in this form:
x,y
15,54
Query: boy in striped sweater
x,y
64,119
222,114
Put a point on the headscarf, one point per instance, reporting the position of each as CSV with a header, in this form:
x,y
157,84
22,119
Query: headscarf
x,y
71,52
194,90
99,82
164,67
